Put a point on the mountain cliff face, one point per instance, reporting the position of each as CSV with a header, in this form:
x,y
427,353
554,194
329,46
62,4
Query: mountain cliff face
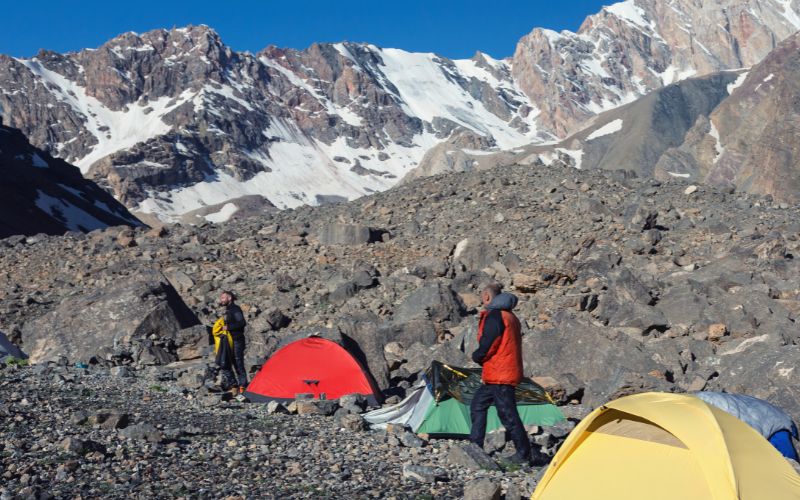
x,y
42,194
172,122
634,47
735,129
750,140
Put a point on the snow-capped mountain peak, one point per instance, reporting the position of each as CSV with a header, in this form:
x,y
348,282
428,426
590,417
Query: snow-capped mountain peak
x,y
171,121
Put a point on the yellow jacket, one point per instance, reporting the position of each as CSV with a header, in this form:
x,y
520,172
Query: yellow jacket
x,y
220,330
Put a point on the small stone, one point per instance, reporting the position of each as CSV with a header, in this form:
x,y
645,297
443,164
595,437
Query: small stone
x,y
697,385
495,441
73,445
482,489
690,190
316,407
717,331
410,440
79,418
275,407
121,372
142,432
116,421
423,473
472,457
352,422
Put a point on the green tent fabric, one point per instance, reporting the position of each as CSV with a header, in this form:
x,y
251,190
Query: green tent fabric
x,y
439,404
452,417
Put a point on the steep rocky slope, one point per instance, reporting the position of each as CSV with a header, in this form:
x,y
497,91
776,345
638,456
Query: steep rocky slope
x,y
631,48
733,129
42,194
625,285
750,140
633,137
174,121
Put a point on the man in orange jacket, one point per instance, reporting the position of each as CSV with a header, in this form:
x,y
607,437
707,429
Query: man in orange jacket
x,y
500,353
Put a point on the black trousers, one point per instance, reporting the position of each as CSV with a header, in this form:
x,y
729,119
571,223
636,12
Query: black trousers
x,y
238,364
503,398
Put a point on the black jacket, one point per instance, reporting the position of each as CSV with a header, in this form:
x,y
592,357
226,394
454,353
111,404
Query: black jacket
x,y
493,328
234,319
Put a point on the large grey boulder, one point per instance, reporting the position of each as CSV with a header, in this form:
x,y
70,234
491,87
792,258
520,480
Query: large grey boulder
x,y
436,302
362,337
141,314
758,367
474,254
606,365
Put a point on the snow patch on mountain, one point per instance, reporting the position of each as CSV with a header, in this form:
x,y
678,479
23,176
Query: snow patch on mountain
x,y
74,218
738,83
609,128
427,92
789,13
713,132
575,154
632,13
114,130
225,213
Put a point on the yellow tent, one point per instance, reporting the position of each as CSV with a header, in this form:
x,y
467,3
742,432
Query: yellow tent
x,y
658,446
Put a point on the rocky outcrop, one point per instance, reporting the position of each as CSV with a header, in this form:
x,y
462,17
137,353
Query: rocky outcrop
x,y
748,142
42,194
633,47
139,319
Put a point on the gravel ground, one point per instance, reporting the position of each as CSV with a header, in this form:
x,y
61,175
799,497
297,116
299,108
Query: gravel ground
x,y
77,433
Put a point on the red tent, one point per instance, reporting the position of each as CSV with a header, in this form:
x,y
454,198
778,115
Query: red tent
x,y
315,366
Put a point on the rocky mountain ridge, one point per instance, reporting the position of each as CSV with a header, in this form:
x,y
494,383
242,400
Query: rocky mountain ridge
x,y
733,129
175,121
42,194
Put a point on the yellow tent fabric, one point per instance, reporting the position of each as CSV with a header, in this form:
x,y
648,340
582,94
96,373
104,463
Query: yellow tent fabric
x,y
220,330
660,446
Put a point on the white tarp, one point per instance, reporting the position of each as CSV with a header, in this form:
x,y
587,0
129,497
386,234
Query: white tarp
x,y
410,411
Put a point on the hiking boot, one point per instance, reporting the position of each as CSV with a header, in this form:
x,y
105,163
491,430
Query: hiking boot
x,y
235,390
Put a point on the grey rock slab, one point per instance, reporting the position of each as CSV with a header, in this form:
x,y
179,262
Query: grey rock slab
x,y
423,473
482,489
470,456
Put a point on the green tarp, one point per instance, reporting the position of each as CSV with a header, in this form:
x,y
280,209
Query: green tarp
x,y
453,388
452,417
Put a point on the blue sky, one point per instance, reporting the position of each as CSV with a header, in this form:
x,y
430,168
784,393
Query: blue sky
x,y
452,28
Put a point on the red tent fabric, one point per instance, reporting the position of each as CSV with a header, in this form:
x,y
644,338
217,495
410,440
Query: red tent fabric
x,y
315,366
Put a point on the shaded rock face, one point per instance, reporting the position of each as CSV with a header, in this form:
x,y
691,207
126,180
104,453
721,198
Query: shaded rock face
x,y
632,138
636,46
42,194
139,318
748,142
